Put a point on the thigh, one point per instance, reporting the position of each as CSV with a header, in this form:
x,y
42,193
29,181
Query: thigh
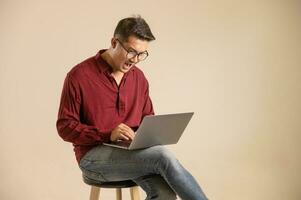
x,y
106,163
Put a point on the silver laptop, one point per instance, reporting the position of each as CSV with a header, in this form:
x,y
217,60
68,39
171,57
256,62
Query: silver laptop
x,y
156,130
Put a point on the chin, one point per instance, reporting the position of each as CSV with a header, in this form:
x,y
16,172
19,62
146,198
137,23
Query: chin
x,y
123,69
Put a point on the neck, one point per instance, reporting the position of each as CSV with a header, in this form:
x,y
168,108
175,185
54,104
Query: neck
x,y
108,58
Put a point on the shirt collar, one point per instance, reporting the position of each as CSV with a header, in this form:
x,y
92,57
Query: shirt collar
x,y
103,66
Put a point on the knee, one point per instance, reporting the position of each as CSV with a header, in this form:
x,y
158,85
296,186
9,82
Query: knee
x,y
166,158
162,153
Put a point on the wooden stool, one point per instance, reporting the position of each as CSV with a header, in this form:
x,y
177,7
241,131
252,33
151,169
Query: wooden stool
x,y
118,185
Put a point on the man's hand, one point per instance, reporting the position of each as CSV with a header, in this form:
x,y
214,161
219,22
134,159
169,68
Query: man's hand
x,y
122,132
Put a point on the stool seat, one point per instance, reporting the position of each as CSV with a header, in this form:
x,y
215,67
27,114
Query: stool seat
x,y
118,185
114,184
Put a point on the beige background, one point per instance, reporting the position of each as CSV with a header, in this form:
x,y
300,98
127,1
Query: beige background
x,y
236,64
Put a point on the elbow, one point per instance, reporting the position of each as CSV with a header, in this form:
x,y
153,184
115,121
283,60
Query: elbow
x,y
62,129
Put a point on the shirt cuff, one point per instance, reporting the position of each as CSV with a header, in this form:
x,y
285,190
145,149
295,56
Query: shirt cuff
x,y
105,136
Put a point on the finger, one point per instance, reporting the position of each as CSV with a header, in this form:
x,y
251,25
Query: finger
x,y
123,137
123,126
126,128
129,130
132,135
128,135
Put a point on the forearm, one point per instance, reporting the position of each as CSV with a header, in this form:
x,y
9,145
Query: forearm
x,y
77,133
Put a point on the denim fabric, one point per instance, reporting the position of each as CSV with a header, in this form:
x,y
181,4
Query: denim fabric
x,y
154,169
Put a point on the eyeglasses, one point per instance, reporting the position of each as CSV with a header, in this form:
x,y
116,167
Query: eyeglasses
x,y
133,53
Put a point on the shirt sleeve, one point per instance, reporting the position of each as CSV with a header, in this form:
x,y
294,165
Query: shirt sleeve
x,y
68,123
148,106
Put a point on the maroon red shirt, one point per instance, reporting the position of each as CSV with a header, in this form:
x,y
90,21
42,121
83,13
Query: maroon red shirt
x,y
92,104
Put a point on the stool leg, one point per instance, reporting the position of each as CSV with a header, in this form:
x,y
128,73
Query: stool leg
x,y
135,193
94,193
118,194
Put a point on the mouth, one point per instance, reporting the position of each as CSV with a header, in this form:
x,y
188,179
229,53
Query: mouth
x,y
128,65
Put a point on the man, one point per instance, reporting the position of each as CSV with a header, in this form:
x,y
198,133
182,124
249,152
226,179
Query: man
x,y
104,99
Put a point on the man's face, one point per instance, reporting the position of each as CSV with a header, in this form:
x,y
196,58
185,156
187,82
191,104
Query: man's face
x,y
123,51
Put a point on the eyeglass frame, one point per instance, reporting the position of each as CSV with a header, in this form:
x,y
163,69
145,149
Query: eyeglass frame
x,y
133,51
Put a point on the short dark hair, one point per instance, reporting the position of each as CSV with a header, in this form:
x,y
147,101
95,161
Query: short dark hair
x,y
133,26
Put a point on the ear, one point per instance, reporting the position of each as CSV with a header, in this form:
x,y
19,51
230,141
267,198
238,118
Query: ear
x,y
113,43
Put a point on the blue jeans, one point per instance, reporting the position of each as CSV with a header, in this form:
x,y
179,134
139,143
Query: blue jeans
x,y
154,169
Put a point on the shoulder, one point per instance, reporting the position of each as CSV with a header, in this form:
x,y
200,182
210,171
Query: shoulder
x,y
139,78
81,69
138,73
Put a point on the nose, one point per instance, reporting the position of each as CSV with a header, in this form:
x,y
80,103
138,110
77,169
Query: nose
x,y
134,59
